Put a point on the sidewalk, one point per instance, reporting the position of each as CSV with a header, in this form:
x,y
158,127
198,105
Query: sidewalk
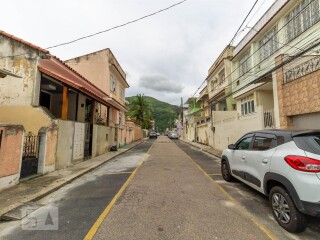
x,y
36,188
170,198
203,147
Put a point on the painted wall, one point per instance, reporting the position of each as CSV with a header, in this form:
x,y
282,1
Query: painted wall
x,y
65,144
94,67
229,129
32,118
17,91
47,149
205,134
102,139
81,108
10,154
265,99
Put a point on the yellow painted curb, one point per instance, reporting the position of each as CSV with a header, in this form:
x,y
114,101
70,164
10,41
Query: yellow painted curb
x,y
106,211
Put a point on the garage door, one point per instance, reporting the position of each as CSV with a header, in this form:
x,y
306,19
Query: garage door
x,y
307,121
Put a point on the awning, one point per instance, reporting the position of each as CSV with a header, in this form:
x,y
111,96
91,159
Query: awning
x,y
115,104
62,72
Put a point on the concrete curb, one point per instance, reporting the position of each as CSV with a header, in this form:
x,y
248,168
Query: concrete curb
x,y
202,149
59,183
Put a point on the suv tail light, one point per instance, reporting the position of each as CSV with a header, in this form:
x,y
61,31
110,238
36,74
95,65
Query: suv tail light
x,y
304,164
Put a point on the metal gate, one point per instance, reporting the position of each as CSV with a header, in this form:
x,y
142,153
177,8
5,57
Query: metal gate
x,y
30,155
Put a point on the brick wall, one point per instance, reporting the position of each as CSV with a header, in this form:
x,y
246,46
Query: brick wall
x,y
300,96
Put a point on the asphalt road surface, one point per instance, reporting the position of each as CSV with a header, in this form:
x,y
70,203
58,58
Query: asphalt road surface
x,y
161,189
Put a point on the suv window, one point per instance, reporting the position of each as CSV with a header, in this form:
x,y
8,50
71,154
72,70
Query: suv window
x,y
262,143
244,143
309,143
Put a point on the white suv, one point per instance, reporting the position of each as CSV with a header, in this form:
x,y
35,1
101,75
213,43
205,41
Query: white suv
x,y
282,164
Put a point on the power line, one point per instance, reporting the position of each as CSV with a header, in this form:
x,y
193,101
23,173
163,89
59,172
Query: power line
x,y
230,42
107,30
118,26
260,48
243,22
265,44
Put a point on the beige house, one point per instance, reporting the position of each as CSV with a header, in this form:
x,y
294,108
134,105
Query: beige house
x,y
59,109
103,70
219,82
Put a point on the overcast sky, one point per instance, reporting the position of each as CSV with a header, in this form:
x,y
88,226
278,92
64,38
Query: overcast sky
x,y
166,56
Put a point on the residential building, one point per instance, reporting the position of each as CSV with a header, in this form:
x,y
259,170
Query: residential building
x,y
203,123
103,70
274,66
219,82
193,115
274,74
59,109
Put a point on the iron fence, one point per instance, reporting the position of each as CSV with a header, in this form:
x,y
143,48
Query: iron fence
x,y
31,145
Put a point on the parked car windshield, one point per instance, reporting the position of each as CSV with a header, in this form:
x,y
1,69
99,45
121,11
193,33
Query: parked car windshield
x,y
309,143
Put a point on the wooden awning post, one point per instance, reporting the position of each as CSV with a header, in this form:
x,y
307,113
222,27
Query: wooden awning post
x,y
64,114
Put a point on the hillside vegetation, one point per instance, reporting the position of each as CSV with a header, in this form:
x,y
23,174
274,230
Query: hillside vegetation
x,y
163,113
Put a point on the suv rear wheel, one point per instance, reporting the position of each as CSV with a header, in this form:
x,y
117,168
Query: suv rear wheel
x,y
285,212
225,171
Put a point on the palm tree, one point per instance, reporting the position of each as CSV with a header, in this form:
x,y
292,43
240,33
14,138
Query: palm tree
x,y
140,111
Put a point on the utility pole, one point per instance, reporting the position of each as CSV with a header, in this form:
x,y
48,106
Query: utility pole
x,y
181,111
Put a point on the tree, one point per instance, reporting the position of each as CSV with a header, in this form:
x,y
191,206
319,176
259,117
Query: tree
x,y
140,111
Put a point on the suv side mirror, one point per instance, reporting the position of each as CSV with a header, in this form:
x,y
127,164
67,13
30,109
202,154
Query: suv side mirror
x,y
232,146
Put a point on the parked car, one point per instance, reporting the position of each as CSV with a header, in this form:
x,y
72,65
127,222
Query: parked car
x,y
173,135
282,164
158,134
153,135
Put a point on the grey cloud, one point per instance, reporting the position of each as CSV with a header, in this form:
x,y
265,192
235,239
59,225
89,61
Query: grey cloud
x,y
159,84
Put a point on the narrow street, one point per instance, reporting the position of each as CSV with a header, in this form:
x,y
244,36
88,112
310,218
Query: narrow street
x,y
177,193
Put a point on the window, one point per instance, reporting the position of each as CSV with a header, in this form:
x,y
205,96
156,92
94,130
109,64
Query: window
x,y
120,119
222,77
302,17
113,84
310,143
268,44
214,84
244,64
261,143
244,144
247,105
122,93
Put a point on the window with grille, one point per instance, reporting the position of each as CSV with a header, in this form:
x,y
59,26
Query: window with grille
x,y
244,64
268,44
302,17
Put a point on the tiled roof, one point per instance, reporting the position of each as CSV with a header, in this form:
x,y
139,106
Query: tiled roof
x,y
55,68
23,41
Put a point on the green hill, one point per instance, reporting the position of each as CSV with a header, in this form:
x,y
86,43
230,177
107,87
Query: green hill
x,y
163,113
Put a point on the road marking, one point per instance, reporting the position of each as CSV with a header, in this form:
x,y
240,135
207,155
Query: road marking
x,y
248,214
92,232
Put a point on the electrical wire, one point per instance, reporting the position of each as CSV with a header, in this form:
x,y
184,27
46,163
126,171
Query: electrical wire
x,y
259,49
265,44
229,43
106,30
